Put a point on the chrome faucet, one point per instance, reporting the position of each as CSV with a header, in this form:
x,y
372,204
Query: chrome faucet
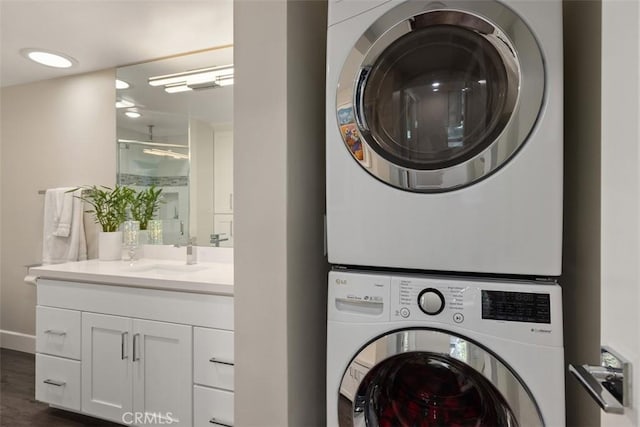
x,y
215,239
192,254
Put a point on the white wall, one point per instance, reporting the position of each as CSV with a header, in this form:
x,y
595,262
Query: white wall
x,y
306,265
280,270
620,191
580,279
54,133
260,177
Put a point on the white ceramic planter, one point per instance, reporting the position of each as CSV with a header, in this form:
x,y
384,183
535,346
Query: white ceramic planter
x,y
110,246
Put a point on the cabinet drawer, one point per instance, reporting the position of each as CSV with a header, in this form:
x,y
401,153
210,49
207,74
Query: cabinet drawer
x,y
212,407
213,358
58,381
58,332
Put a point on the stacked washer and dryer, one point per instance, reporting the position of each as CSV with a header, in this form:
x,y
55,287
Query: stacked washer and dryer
x,y
444,213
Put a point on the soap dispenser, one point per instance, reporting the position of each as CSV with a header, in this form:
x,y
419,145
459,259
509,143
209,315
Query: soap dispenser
x,y
192,253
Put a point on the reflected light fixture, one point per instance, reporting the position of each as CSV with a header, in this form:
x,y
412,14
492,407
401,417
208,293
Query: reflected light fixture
x,y
121,84
203,78
178,87
132,114
166,153
123,103
49,58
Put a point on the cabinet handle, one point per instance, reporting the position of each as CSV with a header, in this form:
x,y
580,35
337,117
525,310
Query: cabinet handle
x,y
221,361
231,228
231,201
220,423
55,332
123,354
136,356
55,383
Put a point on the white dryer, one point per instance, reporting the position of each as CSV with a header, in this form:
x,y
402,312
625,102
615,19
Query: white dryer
x,y
444,135
410,350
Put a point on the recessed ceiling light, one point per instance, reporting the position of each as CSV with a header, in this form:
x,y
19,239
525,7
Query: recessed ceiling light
x,y
48,58
132,114
121,84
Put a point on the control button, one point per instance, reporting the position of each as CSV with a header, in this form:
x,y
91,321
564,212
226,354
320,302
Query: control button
x,y
404,312
458,318
431,301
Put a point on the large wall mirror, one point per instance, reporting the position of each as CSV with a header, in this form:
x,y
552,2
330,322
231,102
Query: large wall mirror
x,y
174,131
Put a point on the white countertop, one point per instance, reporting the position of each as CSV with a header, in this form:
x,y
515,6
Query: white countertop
x,y
203,277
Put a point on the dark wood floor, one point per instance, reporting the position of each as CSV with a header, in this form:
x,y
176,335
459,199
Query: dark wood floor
x,y
18,406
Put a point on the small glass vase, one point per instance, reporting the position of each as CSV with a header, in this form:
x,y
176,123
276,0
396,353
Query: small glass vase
x,y
154,227
130,235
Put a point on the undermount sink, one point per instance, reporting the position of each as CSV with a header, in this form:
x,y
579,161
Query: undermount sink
x,y
167,268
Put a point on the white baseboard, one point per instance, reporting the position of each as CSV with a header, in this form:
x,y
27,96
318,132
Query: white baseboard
x,y
17,341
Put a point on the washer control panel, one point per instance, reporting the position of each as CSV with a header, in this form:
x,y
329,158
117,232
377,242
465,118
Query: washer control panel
x,y
511,309
507,308
413,299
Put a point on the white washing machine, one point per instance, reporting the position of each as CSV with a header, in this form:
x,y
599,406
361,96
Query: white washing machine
x,y
444,135
412,350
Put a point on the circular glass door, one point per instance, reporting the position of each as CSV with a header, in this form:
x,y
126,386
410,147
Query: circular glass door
x,y
428,378
430,100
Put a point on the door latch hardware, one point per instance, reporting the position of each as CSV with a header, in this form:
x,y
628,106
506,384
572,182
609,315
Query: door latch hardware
x,y
608,383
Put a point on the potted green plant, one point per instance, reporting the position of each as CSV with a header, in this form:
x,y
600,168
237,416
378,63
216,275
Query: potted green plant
x,y
144,205
109,208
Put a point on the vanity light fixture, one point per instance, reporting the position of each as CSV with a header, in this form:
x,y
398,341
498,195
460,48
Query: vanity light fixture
x,y
203,78
132,114
49,58
121,84
166,153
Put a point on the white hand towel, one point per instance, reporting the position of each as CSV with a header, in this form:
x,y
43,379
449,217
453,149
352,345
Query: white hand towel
x,y
64,206
56,247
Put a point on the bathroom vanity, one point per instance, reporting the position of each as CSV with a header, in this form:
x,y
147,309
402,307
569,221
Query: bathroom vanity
x,y
143,343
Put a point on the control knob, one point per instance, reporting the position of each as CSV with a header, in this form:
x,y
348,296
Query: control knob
x,y
431,301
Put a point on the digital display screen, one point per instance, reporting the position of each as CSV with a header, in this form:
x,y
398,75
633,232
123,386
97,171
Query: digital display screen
x,y
516,306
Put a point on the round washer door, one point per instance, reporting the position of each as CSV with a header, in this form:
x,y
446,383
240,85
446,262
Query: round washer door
x,y
432,100
421,377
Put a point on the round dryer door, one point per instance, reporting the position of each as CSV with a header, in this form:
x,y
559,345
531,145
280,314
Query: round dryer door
x,y
433,98
428,378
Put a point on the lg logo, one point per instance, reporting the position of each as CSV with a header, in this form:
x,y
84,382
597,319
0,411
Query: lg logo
x,y
341,281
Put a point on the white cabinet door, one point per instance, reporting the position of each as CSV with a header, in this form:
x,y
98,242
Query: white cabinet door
x,y
58,332
212,407
162,373
106,368
223,172
58,381
213,358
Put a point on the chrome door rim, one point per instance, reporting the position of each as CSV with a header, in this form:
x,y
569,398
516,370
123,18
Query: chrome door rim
x,y
510,34
503,378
